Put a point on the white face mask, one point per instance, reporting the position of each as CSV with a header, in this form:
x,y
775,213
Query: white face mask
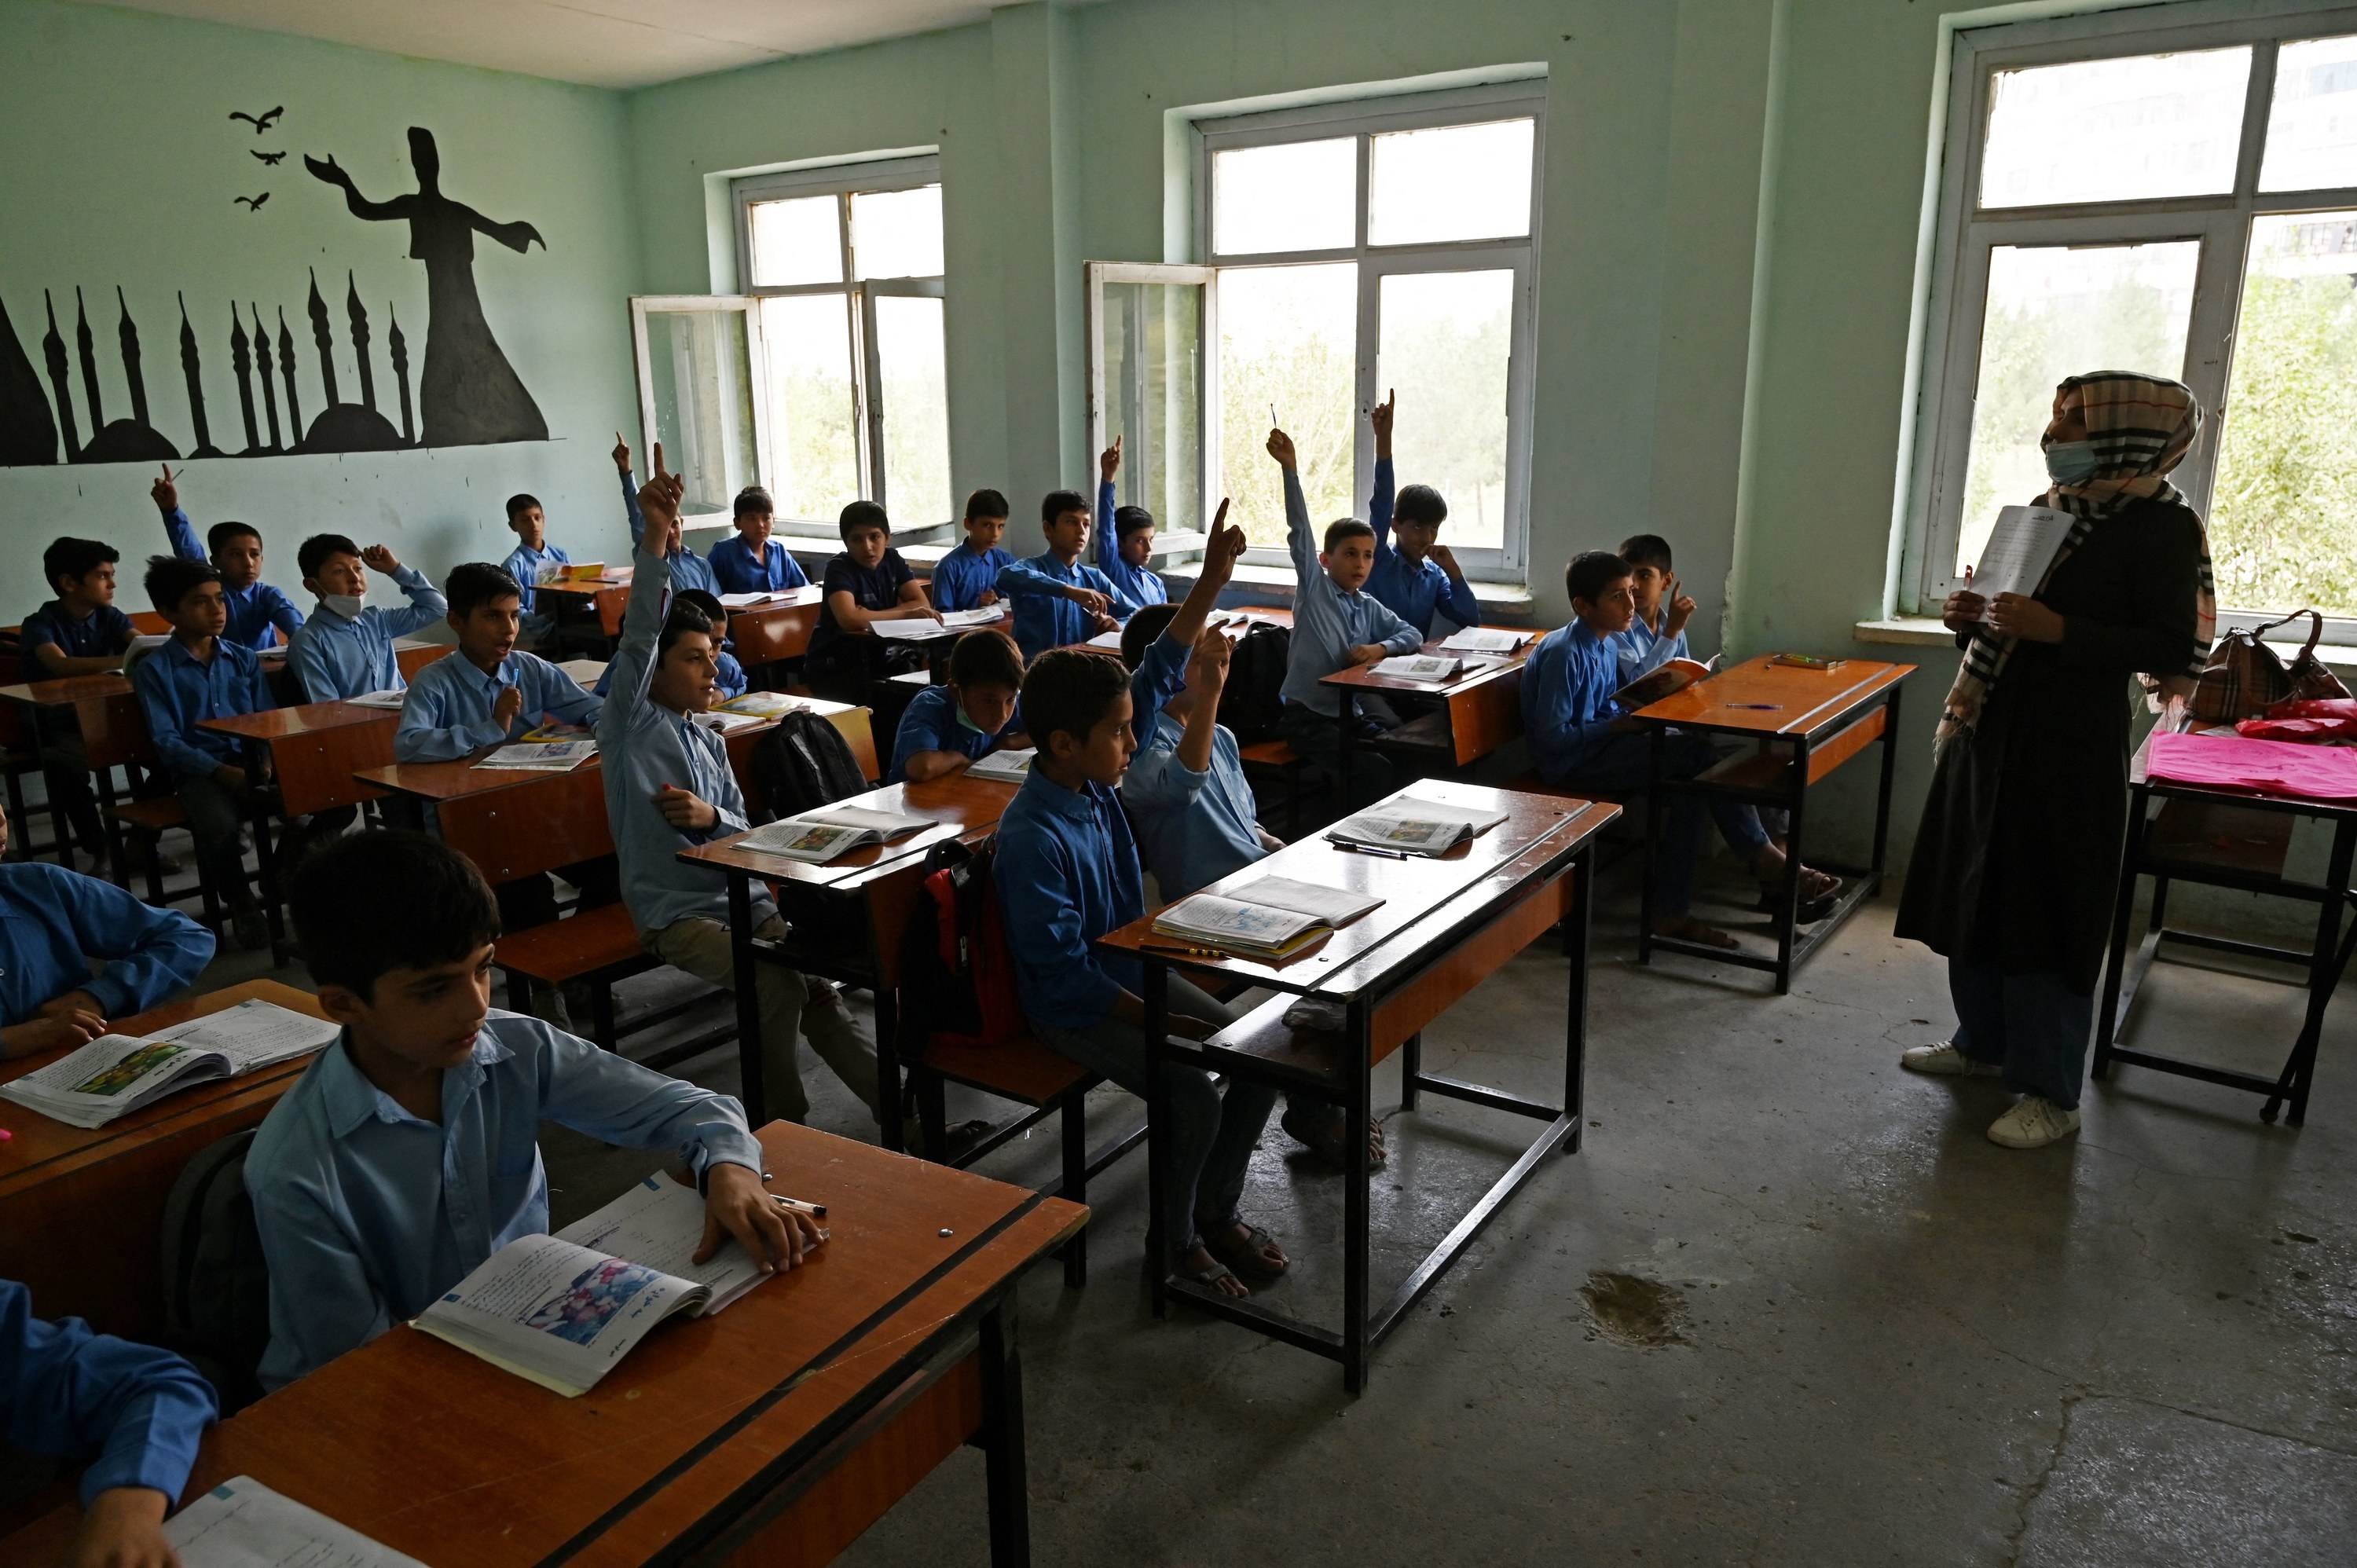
x,y
345,605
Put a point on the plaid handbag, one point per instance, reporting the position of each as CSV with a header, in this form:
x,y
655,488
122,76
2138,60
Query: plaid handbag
x,y
2244,677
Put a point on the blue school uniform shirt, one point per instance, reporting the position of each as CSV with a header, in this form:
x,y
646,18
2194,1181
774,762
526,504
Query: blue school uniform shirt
x,y
962,577
688,570
336,656
1567,707
54,921
1193,828
1044,618
368,1213
526,564
134,1412
102,631
1327,622
876,587
447,713
1642,648
738,571
1066,871
1135,586
259,615
933,722
643,746
179,691
1413,592
728,679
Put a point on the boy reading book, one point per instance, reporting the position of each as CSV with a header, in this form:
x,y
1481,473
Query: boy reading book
x,y
1414,572
1125,542
1059,598
867,582
532,559
259,615
967,578
1066,873
946,727
688,570
80,632
406,1154
749,561
489,691
1657,633
345,649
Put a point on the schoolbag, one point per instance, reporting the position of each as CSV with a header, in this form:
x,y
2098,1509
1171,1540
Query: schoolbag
x,y
957,975
216,1281
802,765
1253,701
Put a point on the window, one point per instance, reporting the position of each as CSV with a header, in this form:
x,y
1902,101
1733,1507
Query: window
x,y
1350,249
2179,201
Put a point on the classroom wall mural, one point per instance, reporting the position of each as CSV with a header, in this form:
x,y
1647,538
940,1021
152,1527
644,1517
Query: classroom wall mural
x,y
464,391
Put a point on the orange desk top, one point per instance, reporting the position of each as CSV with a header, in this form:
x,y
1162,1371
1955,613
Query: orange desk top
x,y
1755,697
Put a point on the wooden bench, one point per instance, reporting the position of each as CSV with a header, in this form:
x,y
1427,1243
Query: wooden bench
x,y
1288,765
148,821
596,947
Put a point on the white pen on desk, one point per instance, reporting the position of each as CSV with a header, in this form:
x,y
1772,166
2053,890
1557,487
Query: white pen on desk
x,y
1369,849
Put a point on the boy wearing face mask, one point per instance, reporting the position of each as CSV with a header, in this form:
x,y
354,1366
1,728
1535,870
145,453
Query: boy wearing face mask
x,y
947,727
345,649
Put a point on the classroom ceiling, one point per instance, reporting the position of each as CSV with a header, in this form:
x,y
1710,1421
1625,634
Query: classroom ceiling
x,y
599,43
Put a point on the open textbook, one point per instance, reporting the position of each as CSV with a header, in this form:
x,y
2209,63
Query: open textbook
x,y
115,1074
2021,550
244,1524
1485,640
761,704
819,837
388,700
916,628
541,756
1656,683
1410,826
1421,667
1011,766
1272,917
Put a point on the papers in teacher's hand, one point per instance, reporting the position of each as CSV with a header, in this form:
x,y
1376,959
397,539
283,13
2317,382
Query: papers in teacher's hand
x,y
1410,826
379,699
116,1074
244,1524
817,837
2020,550
541,756
1011,767
1419,667
1484,639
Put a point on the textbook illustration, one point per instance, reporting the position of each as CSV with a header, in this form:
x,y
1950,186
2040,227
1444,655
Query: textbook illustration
x,y
817,837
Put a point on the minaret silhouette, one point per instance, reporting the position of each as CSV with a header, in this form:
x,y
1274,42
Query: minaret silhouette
x,y
261,363
357,313
325,339
400,351
189,368
53,351
286,371
241,360
128,332
28,430
86,349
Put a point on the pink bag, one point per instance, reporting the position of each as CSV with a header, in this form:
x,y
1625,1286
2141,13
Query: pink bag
x,y
2254,766
2305,719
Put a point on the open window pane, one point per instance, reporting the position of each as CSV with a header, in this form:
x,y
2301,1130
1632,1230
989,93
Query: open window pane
x,y
1299,196
2312,124
2055,311
2283,514
1149,338
914,397
796,241
2114,130
1452,182
814,437
700,368
1288,352
897,233
1444,345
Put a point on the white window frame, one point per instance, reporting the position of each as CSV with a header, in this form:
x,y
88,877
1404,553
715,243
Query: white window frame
x,y
1362,118
1207,359
1967,234
738,474
841,180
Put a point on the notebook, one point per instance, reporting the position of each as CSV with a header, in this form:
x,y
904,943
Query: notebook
x,y
1409,826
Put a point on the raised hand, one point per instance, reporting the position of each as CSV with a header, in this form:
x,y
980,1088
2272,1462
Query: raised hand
x,y
165,491
382,559
1108,462
1381,418
1682,606
621,453
1280,447
1209,658
328,170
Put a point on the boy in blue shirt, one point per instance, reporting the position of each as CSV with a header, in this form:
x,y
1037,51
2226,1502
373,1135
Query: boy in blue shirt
x,y
1066,873
688,570
728,677
1414,573
532,559
967,578
1125,542
489,691
52,923
1658,633
80,632
946,727
345,649
407,1153
867,582
749,560
259,615
1059,599
198,674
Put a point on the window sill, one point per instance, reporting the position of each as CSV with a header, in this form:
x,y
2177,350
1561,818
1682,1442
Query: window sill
x,y
1921,631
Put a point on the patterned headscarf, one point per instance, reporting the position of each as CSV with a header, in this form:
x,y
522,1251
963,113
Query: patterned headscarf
x,y
2141,428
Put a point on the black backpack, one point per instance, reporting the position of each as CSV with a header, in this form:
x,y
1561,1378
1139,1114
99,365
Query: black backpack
x,y
1253,700
216,1281
802,765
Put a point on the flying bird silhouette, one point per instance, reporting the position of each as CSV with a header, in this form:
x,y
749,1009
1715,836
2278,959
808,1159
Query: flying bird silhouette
x,y
273,159
262,125
252,203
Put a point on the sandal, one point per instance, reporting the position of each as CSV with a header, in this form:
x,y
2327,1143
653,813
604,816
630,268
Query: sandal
x,y
1208,1278
1326,1134
1244,1256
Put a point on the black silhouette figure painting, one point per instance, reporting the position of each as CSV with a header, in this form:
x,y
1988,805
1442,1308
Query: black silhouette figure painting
x,y
468,394
28,432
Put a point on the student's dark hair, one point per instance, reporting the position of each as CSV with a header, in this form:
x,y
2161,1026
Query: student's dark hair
x,y
520,503
753,499
1420,504
1591,572
682,619
1144,626
1069,689
862,514
1646,550
222,534
72,557
1343,528
987,659
714,611
476,583
171,579
320,548
371,903
986,503
1056,503
1128,519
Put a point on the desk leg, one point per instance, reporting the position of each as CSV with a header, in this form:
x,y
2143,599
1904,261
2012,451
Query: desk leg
x,y
1006,1482
887,1062
1576,928
1882,790
265,867
1788,895
1411,1069
61,828
1344,743
741,960
2323,975
2107,1016
1653,807
1157,1136
1357,1177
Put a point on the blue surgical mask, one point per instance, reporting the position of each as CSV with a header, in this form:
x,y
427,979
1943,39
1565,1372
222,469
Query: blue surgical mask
x,y
2071,462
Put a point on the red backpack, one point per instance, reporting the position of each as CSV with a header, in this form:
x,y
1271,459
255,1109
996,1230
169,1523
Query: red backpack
x,y
957,976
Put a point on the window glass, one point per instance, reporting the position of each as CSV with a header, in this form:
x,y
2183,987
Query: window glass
x,y
1288,352
813,443
1150,346
1445,343
2114,130
796,241
897,233
1298,196
2312,124
702,369
915,402
1451,182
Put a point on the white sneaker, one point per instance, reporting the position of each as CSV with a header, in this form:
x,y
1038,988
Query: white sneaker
x,y
1946,1061
2032,1123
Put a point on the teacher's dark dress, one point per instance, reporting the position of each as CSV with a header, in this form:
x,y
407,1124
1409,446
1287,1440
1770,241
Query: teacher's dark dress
x,y
2019,855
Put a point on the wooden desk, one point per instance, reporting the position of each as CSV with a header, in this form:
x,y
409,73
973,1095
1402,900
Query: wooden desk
x,y
776,630
106,711
774,1433
1446,924
1485,703
411,654
82,1210
315,749
1807,723
859,905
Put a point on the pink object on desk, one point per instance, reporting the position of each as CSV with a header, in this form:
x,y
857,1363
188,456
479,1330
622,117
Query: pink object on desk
x,y
2254,766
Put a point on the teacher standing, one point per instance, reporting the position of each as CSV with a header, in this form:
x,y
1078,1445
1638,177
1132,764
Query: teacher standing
x,y
2019,855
